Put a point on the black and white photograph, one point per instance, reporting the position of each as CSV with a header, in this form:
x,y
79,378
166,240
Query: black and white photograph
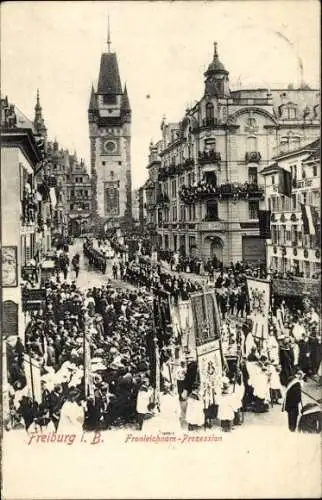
x,y
161,249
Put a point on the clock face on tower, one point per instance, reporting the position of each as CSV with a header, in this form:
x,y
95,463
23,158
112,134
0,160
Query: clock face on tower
x,y
110,147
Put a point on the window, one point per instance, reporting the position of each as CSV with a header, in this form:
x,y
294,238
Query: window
x,y
181,180
283,235
103,163
290,113
174,213
252,175
174,188
288,235
166,241
273,180
274,234
193,212
294,202
315,198
109,99
253,209
315,170
212,211
211,178
209,112
182,213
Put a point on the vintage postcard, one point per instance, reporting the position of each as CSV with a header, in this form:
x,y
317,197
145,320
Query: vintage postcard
x,y
160,249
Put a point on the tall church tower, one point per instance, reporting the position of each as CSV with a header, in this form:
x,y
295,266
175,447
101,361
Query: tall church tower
x,y
109,118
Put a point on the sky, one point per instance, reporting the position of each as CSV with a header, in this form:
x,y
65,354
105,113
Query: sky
x,y
163,49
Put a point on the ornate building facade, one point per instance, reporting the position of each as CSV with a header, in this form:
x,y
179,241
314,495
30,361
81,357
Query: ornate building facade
x,y
109,118
204,174
290,249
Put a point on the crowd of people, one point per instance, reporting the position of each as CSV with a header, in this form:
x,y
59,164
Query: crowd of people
x,y
117,325
114,330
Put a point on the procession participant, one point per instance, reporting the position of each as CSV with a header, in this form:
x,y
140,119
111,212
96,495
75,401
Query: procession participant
x,y
195,416
304,359
239,392
226,407
286,357
142,403
275,386
71,414
75,264
292,400
261,389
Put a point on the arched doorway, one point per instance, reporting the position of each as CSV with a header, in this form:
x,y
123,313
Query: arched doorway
x,y
216,248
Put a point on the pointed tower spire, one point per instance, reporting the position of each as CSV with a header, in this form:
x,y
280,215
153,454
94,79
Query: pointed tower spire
x,y
39,122
92,101
108,35
125,100
215,50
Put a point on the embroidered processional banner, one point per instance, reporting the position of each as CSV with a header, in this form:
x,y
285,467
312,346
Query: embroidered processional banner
x,y
206,322
182,324
259,293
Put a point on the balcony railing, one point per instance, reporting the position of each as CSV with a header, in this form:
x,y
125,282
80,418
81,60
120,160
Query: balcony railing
x,y
253,157
225,191
207,157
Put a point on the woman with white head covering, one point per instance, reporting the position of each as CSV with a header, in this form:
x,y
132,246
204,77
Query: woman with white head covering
x,y
71,415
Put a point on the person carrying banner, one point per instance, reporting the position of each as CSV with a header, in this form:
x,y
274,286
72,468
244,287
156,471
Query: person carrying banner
x,y
292,400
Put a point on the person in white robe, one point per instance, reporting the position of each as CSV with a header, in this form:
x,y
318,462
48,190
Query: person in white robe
x,y
272,347
226,407
249,344
168,419
143,401
71,415
275,386
195,415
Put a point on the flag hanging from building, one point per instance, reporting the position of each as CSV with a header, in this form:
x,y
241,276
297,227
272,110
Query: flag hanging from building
x,y
264,219
285,182
310,218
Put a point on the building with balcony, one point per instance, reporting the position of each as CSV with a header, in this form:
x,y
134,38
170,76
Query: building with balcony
x,y
24,200
205,187
290,250
79,196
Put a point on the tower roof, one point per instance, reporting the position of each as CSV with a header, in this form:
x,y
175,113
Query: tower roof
x,y
92,102
125,105
216,65
109,81
39,122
